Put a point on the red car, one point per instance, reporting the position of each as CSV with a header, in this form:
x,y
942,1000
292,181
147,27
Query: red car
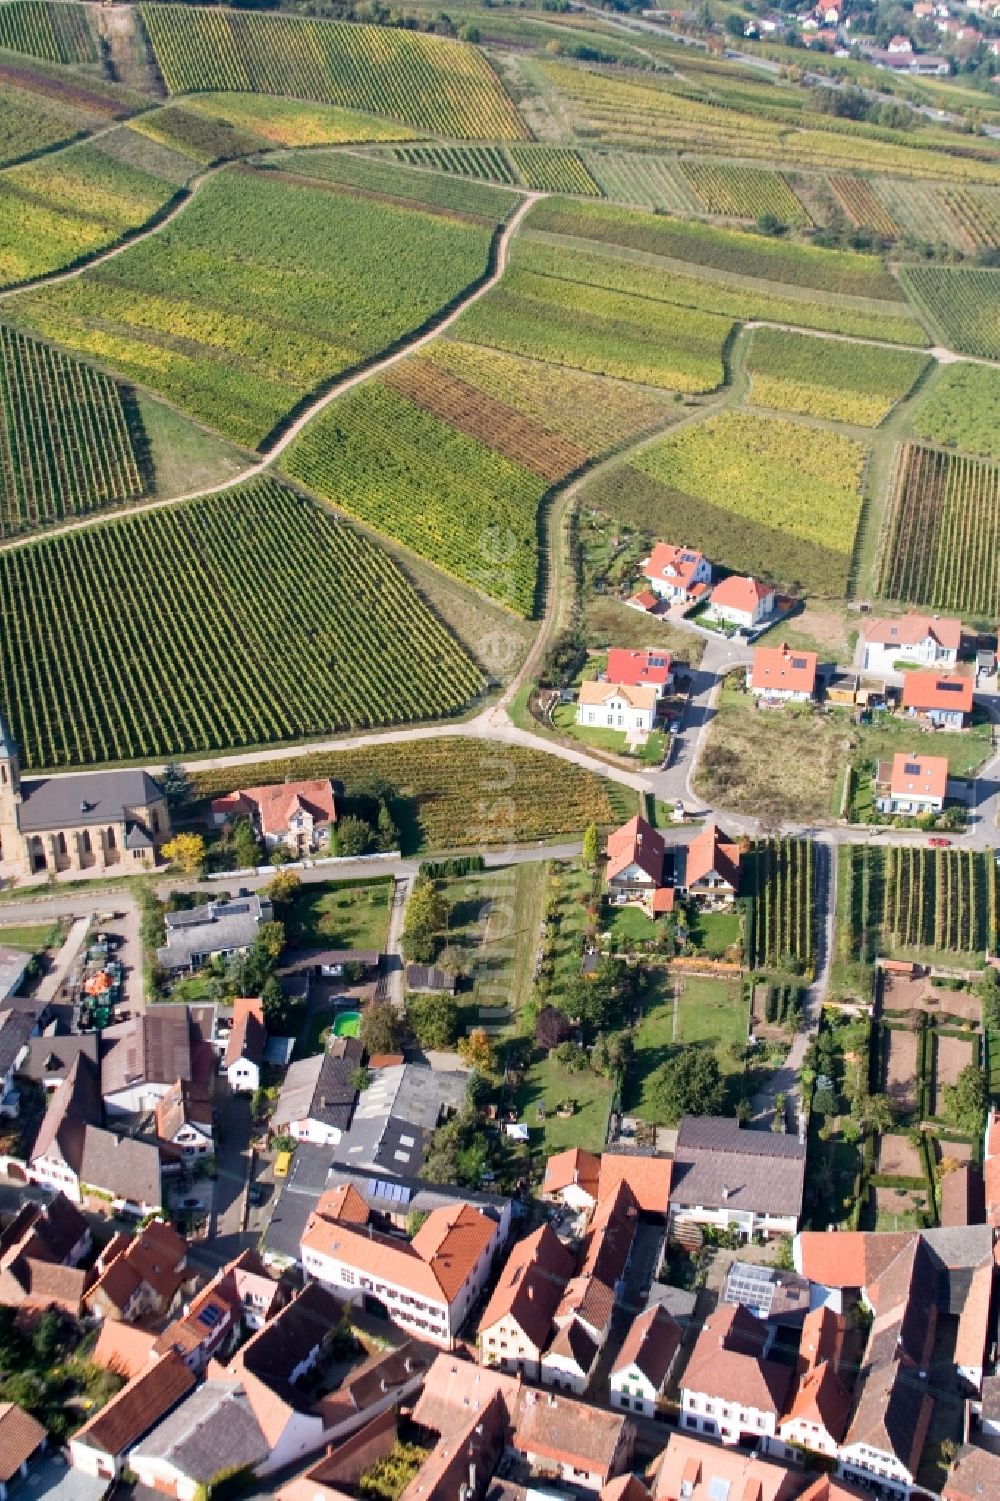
x,y
939,840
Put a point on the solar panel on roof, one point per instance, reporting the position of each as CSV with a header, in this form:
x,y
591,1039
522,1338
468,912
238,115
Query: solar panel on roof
x,y
799,662
912,768
950,687
210,1316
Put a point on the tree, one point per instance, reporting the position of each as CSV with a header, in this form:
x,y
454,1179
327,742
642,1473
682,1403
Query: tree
x,y
354,836
379,1032
187,851
388,834
874,1113
433,1020
177,785
477,1050
284,888
271,939
735,24
689,1084
591,846
427,914
989,994
246,846
552,1027
360,1079
965,1100
48,1337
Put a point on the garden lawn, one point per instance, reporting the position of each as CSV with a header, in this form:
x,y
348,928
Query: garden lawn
x,y
630,924
494,922
335,915
548,1083
259,292
710,1012
33,938
715,932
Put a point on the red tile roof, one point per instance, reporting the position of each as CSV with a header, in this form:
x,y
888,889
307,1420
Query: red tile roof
x,y
648,1178
434,1265
531,1285
821,1398
711,851
636,667
741,593
275,805
636,843
925,691
822,1338
247,1034
743,1477
588,1438
20,1436
572,1166
651,1344
663,900
847,1258
644,600
781,669
728,1362
908,630
123,1348
975,1476
677,565
146,1399
918,776
991,1170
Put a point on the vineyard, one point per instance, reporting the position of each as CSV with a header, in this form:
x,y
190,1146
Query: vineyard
x,y
756,494
863,206
258,293
839,381
58,210
35,116
372,174
290,122
743,192
549,169
438,786
961,302
653,182
444,86
940,543
414,476
491,163
65,447
780,922
939,899
48,29
248,617
962,410
553,169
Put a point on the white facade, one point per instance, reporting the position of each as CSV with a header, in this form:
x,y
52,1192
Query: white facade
x,y
192,1140
747,619
632,1391
562,1372
729,1421
804,1435
317,1132
673,587
860,1463
507,1347
136,1099
96,1462
879,656
54,1173
243,1076
616,713
746,1221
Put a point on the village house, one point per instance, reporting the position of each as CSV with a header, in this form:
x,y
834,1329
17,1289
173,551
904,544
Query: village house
x,y
143,1059
139,1276
637,669
22,1439
647,1177
645,1362
751,1181
245,1045
635,868
92,821
216,930
974,1475
184,1128
742,601
562,1440
816,1416
582,1323
911,783
318,1095
242,1294
943,699
40,1252
900,44
692,1470
572,1178
678,574
213,1433
924,640
711,866
427,1285
105,1443
517,1321
295,815
610,705
781,674
731,1389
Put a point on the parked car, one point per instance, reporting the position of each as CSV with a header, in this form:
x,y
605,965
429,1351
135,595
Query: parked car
x,y
192,1203
939,841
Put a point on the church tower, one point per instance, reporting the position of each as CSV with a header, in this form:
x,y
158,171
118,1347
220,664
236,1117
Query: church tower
x,y
10,792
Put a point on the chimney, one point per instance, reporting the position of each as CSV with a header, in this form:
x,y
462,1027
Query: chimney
x,y
725,1192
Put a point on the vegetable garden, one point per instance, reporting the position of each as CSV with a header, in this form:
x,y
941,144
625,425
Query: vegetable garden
x,y
940,544
840,381
445,86
248,617
65,447
258,293
778,882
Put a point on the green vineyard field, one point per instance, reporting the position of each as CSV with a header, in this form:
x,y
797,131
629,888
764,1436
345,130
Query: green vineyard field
x,y
843,382
914,900
780,916
54,31
248,617
962,410
961,302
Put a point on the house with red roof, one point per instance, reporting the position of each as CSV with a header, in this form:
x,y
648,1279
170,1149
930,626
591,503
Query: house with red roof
x,y
582,1323
816,1416
782,673
644,600
712,865
742,601
636,668
636,859
924,640
911,784
944,699
298,815
679,575
691,1470
645,1362
517,1321
731,1388
572,1177
245,1045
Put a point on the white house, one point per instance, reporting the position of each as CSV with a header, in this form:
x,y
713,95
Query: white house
x,y
912,784
924,640
780,673
616,706
427,1287
750,1181
582,1323
103,1446
571,1178
731,1389
742,601
645,1362
318,1095
678,574
518,1318
245,1045
297,815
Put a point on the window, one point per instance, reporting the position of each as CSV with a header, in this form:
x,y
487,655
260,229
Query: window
x,y
624,1401
347,1277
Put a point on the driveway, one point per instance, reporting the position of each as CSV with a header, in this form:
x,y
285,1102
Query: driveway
x,y
232,1162
674,784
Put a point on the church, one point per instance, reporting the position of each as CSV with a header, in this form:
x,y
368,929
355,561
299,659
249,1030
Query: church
x,y
91,821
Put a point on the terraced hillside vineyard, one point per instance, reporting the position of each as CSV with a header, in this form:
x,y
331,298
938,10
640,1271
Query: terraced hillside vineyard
x,y
941,540
843,382
243,618
65,446
262,290
445,86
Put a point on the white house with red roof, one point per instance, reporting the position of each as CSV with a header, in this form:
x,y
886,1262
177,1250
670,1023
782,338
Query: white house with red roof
x,y
678,574
712,864
615,706
296,814
924,640
636,857
742,601
645,1362
911,784
636,669
943,698
780,673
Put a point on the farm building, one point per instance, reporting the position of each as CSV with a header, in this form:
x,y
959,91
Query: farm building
x,y
616,706
678,574
780,674
926,640
742,601
911,784
945,699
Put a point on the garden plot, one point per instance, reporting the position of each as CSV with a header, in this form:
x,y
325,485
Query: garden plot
x,y
901,1069
951,1055
898,1157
